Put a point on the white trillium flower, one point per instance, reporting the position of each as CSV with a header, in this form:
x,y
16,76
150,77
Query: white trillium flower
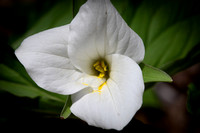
x,y
95,59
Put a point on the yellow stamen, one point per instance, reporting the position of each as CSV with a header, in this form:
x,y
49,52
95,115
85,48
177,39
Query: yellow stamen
x,y
101,67
101,75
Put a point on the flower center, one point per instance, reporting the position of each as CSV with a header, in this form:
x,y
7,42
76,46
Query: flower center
x,y
98,81
101,67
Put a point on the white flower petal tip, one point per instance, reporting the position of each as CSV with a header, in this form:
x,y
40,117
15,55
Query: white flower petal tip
x,y
119,99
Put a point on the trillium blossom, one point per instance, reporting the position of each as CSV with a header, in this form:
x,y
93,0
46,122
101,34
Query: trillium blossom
x,y
95,60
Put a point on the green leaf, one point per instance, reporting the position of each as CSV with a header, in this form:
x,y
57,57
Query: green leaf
x,y
27,91
191,58
152,74
19,89
66,109
172,44
11,75
169,29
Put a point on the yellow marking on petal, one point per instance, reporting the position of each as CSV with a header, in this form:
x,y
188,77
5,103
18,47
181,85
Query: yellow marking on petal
x,y
97,91
85,84
99,88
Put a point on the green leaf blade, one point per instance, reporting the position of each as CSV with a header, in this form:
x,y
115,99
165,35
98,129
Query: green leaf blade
x,y
152,74
11,75
21,90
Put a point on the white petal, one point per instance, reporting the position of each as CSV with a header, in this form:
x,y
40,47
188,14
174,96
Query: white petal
x,y
45,57
119,99
98,30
